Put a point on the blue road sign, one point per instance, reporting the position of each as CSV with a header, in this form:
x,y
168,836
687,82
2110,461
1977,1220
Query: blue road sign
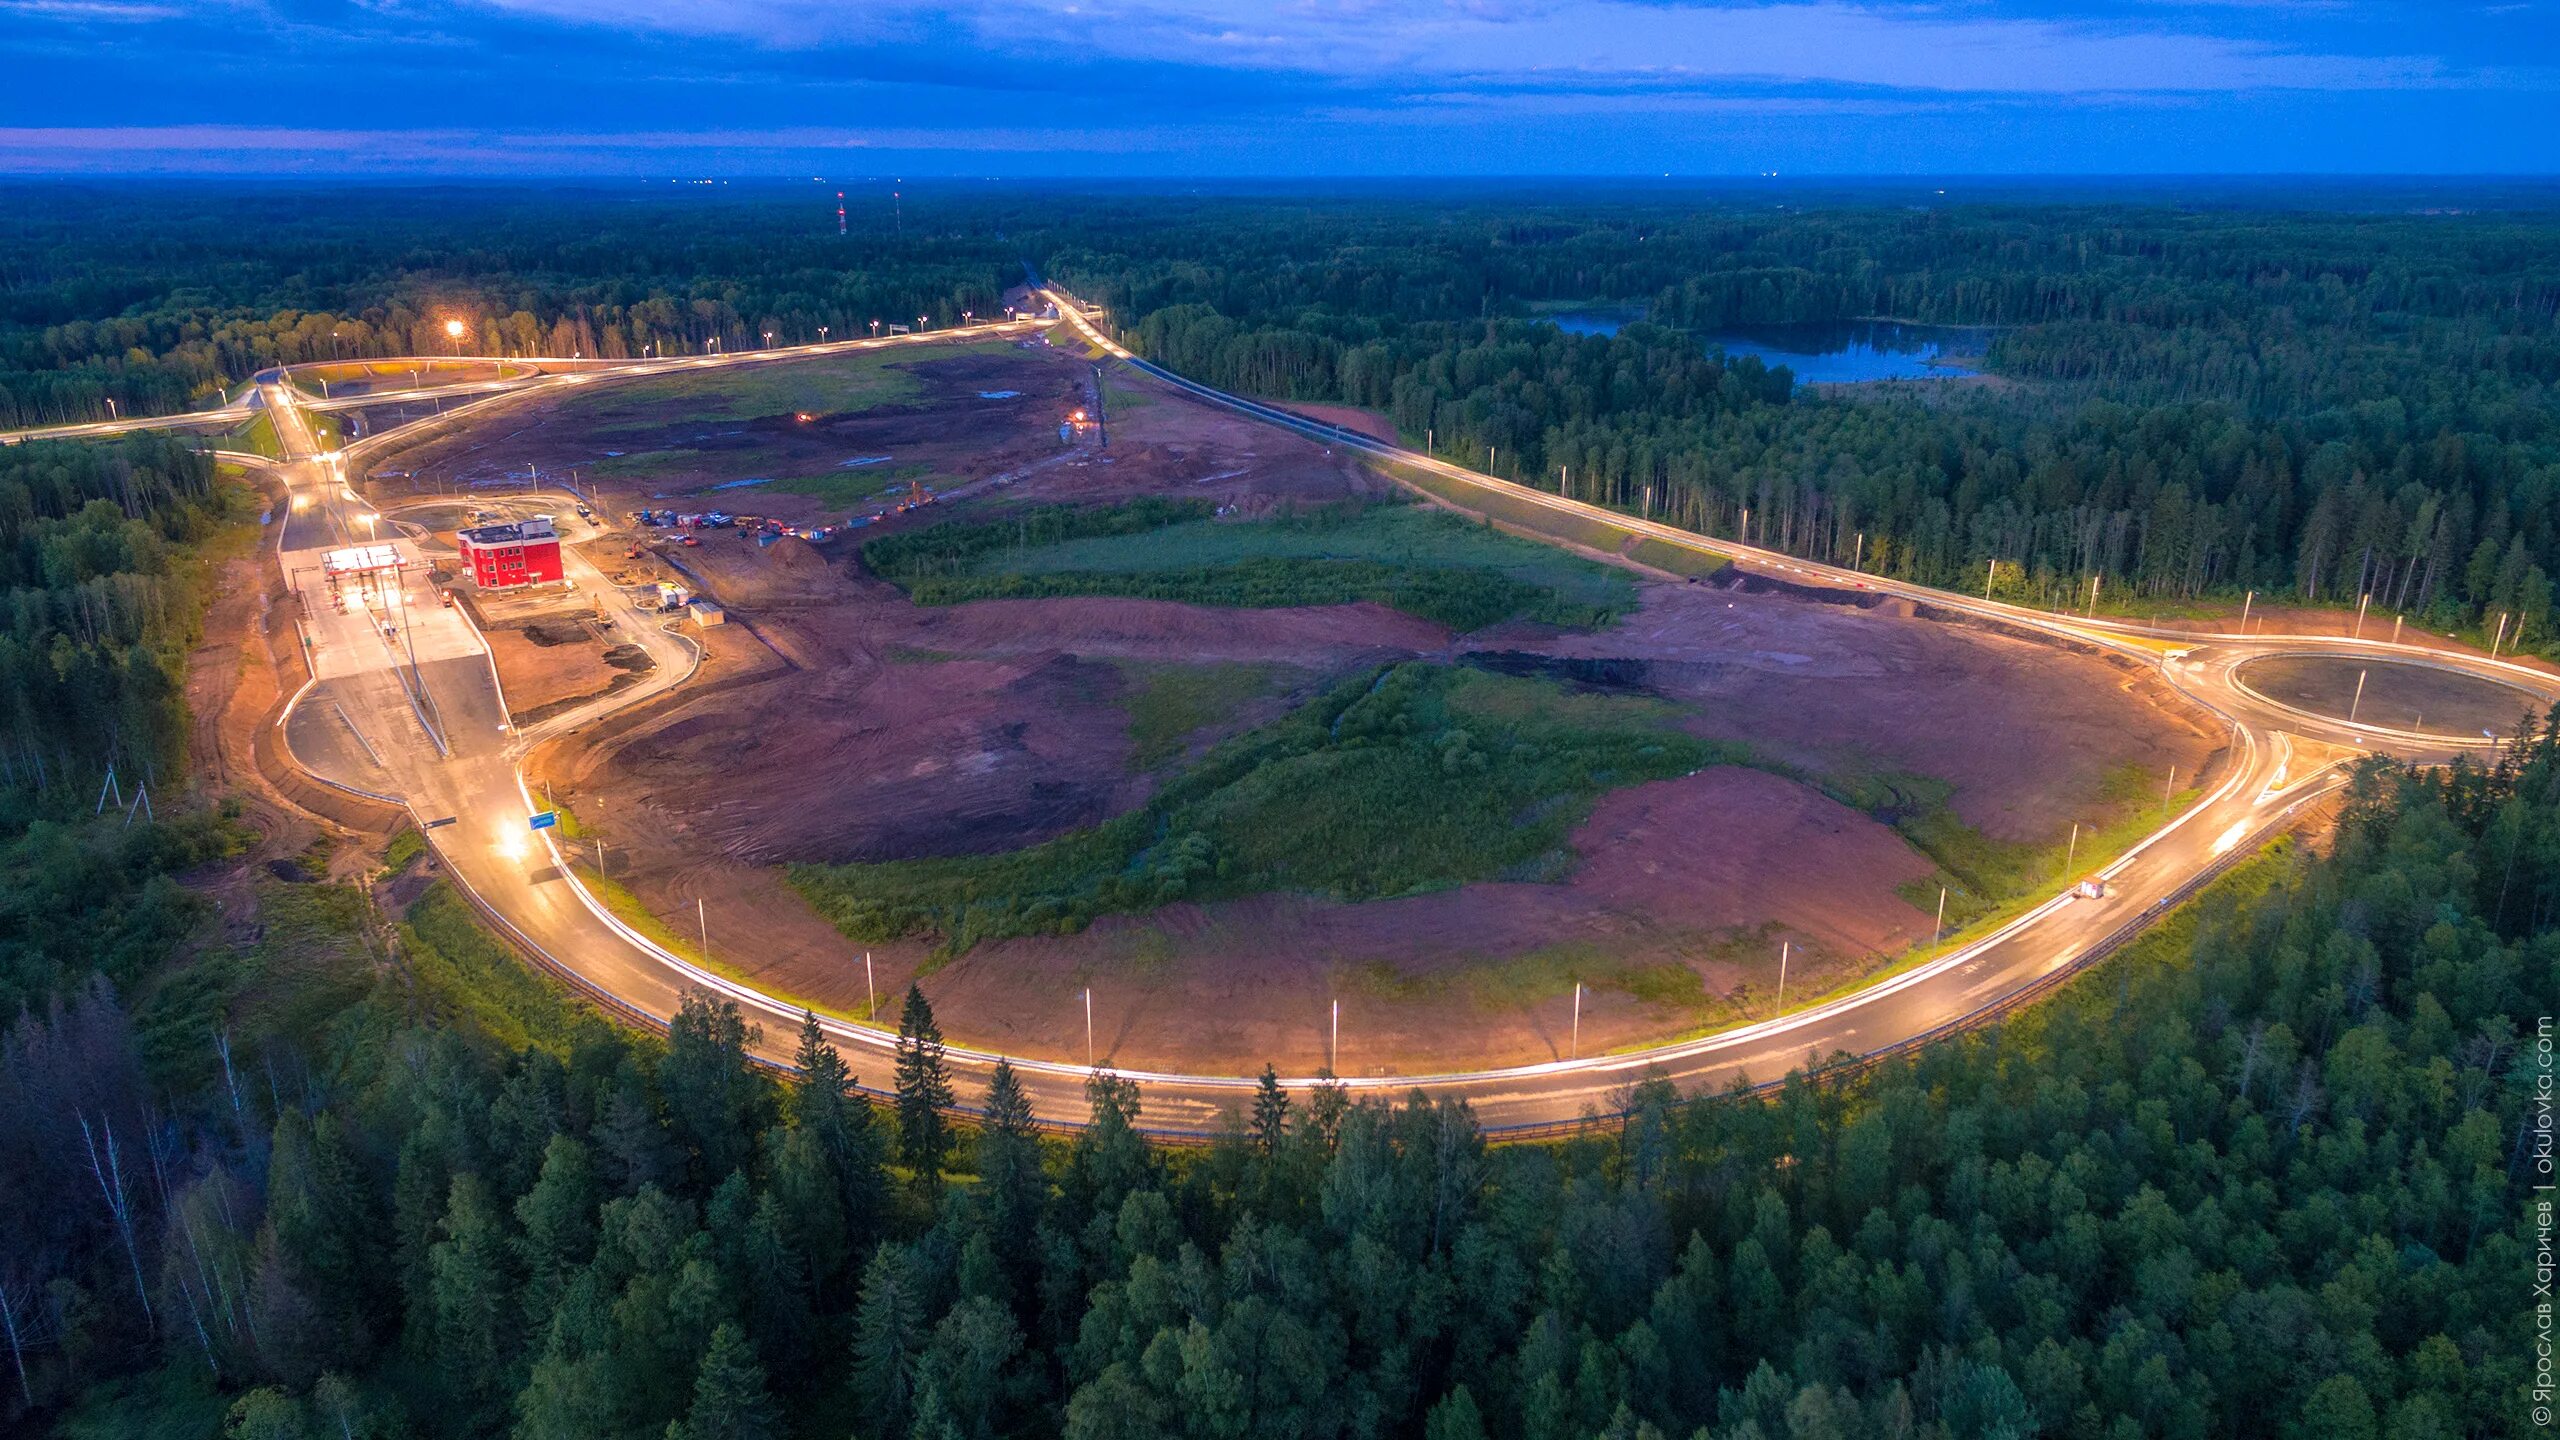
x,y
546,820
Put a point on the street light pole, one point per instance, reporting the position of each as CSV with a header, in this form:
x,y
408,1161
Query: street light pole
x,y
703,916
1941,934
870,991
1576,1053
1088,1027
1333,1047
2358,703
1785,948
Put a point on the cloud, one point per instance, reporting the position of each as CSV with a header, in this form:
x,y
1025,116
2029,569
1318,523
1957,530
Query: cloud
x,y
1561,43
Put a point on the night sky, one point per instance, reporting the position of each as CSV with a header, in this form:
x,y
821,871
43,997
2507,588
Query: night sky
x,y
1322,87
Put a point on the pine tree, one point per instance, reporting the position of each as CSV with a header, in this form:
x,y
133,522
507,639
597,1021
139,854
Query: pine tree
x,y
1009,1172
888,1335
1270,1112
730,1401
1454,1418
924,1090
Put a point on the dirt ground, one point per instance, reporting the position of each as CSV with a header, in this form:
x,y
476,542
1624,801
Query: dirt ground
x,y
1349,417
839,722
981,419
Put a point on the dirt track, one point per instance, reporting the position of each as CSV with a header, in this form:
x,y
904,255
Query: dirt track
x,y
837,721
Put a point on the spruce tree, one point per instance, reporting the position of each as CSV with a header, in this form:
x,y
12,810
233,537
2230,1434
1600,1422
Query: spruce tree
x,y
1270,1112
1009,1172
888,1336
730,1401
924,1090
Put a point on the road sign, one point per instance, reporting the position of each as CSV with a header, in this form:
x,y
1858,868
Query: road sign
x,y
546,820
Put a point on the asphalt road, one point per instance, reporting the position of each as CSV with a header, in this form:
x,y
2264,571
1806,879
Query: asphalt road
x,y
413,712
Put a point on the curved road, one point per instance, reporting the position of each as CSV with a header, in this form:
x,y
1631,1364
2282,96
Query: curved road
x,y
405,706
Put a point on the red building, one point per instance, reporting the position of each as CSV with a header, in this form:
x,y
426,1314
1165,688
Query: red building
x,y
504,556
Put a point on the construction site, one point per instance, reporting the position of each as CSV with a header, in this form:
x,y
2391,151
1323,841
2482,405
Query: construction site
x,y
836,720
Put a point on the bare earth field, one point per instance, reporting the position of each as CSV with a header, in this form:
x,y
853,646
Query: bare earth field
x,y
839,721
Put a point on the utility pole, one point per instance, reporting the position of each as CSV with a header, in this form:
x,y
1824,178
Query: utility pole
x,y
1333,1046
2072,853
1860,563
2245,602
1941,936
2165,791
1088,1027
2093,597
1988,576
703,917
1577,1021
2358,703
870,989
1785,948
2361,605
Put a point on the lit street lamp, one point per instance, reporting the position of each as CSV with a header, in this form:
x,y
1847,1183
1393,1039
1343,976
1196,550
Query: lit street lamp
x,y
111,408
875,329
453,332
822,334
768,339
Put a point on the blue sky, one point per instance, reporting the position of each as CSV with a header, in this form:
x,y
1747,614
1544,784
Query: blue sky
x,y
1293,87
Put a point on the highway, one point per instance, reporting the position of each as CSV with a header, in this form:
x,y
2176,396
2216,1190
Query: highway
x,y
405,705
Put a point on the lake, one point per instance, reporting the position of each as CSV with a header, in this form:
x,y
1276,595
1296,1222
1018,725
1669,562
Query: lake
x,y
1841,352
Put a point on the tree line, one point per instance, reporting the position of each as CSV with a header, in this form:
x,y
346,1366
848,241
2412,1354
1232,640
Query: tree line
x,y
2258,1177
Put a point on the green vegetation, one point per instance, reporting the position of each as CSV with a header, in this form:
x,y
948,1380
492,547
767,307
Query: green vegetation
x,y
958,547
1413,779
257,435
1168,704
107,556
2258,1175
1536,977
405,847
1421,561
2258,1165
848,489
829,385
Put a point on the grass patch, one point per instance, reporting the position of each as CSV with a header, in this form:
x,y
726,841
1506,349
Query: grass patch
x,y
1416,778
829,385
1675,559
651,464
845,489
257,435
466,975
1461,600
1545,977
406,846
1120,396
1421,561
1571,527
970,547
1168,704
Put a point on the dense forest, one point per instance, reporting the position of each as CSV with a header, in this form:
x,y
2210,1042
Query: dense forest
x,y
2184,402
2186,399
105,575
347,1168
2259,1176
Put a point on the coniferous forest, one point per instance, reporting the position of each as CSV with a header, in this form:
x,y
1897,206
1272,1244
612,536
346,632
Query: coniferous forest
x,y
353,1170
